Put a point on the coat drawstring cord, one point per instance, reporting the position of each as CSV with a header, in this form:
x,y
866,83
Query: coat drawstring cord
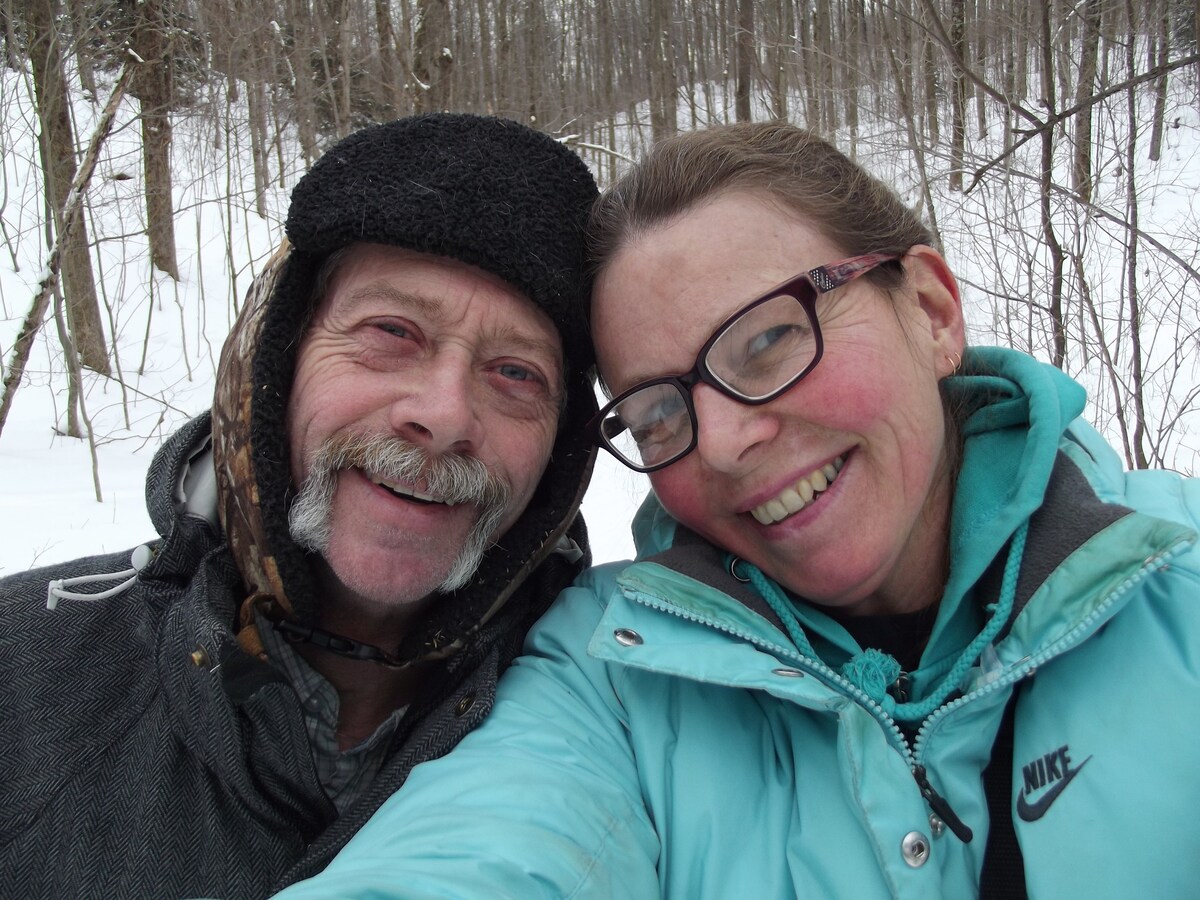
x,y
57,589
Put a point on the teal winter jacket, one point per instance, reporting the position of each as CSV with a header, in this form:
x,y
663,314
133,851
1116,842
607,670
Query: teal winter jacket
x,y
663,735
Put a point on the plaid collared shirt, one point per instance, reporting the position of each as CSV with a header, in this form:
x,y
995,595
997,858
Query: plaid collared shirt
x,y
344,775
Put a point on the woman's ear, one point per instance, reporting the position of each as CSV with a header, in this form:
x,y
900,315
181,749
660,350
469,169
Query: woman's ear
x,y
936,291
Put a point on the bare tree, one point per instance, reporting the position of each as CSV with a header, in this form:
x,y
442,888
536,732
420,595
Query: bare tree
x,y
388,73
152,87
71,220
747,59
57,147
958,93
612,76
1159,56
664,78
1081,161
13,49
432,60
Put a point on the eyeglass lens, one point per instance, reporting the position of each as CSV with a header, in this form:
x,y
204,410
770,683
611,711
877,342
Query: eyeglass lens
x,y
755,355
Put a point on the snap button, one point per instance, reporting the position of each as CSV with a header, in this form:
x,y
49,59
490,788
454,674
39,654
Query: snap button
x,y
731,565
464,704
628,637
787,673
915,848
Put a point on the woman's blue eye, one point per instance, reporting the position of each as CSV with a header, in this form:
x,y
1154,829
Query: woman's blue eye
x,y
661,421
768,339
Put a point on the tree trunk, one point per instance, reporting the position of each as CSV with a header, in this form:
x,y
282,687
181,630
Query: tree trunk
x,y
504,56
822,37
57,148
1058,323
256,107
535,67
1132,296
1160,85
347,65
782,57
929,69
981,60
13,49
851,69
487,72
663,79
152,86
1081,156
304,90
389,94
83,53
746,60
812,103
432,67
72,218
958,96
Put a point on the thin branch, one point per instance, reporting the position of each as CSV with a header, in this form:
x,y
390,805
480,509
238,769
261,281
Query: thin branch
x,y
571,140
1102,213
1057,118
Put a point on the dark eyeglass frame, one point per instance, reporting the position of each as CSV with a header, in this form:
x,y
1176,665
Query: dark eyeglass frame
x,y
804,288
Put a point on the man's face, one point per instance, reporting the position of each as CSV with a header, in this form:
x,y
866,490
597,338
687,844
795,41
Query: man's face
x,y
421,418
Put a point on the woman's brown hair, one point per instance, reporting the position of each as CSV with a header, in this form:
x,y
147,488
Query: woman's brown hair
x,y
805,174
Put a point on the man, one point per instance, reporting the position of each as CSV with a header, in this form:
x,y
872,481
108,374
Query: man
x,y
353,544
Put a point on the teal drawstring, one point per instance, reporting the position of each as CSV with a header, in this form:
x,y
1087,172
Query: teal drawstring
x,y
872,671
778,602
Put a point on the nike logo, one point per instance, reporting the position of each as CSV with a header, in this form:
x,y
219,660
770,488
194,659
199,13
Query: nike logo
x,y
1053,769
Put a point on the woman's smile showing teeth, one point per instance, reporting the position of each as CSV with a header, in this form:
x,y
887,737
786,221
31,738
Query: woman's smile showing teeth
x,y
799,495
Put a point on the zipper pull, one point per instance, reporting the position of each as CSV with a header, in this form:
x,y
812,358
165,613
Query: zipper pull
x,y
941,808
899,688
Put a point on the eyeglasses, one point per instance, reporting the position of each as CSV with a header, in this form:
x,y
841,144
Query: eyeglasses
x,y
759,352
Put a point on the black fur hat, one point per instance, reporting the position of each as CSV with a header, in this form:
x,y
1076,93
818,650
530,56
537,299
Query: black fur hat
x,y
486,191
489,192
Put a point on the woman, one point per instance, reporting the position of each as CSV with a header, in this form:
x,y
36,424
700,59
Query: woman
x,y
882,576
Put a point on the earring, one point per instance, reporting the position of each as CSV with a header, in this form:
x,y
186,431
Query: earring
x,y
955,362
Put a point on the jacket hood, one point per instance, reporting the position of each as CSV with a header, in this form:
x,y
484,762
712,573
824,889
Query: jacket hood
x,y
488,192
254,486
1015,413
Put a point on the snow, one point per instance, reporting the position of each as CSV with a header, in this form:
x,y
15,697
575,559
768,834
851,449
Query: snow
x,y
169,334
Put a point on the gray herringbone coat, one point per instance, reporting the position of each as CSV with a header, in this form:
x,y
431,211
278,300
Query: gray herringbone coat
x,y
143,754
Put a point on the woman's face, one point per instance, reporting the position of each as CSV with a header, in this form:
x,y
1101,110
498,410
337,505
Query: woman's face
x,y
870,414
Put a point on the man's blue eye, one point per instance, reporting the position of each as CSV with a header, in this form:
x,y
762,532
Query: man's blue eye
x,y
393,328
517,373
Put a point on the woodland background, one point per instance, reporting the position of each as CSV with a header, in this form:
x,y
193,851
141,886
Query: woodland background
x,y
148,149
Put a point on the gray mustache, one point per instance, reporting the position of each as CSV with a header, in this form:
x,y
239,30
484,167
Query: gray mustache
x,y
453,479
449,478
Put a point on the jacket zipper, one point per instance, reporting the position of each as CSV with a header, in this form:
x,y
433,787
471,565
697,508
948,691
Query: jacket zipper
x,y
936,802
1021,670
940,807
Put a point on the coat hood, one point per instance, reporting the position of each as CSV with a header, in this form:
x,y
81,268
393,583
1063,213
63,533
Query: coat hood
x,y
253,501
440,184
